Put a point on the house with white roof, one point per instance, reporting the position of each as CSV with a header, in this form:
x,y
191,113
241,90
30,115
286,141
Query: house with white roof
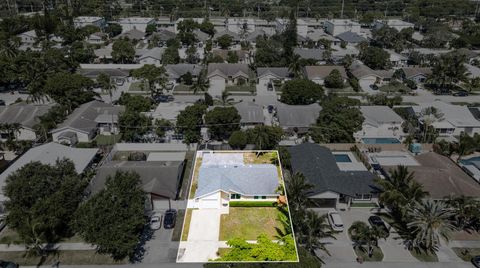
x,y
338,26
380,122
393,23
302,27
26,115
451,121
240,25
135,23
83,21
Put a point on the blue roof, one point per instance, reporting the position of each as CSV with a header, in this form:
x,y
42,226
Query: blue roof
x,y
258,179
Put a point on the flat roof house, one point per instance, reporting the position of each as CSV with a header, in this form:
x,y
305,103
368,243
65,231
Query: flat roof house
x,y
48,154
88,120
338,26
351,37
136,23
332,186
83,21
393,23
318,74
380,122
297,118
25,114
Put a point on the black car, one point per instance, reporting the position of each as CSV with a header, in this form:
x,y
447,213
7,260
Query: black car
x,y
2,103
169,219
460,94
378,222
476,261
374,87
8,264
163,98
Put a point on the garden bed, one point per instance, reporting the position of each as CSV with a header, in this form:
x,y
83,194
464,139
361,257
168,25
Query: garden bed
x,y
377,254
466,254
424,256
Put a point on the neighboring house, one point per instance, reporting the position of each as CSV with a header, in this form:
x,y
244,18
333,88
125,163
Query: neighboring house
x,y
26,115
97,38
417,74
315,54
48,154
162,35
240,25
338,26
441,177
119,76
88,120
176,71
243,55
235,37
166,22
351,37
472,71
83,21
224,177
318,74
160,180
393,23
150,56
252,37
453,119
135,23
267,75
28,38
251,114
201,37
228,73
132,34
104,54
364,74
396,59
297,119
318,34
335,185
380,122
281,25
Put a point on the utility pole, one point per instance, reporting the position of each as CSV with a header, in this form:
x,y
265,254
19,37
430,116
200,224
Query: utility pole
x,y
343,4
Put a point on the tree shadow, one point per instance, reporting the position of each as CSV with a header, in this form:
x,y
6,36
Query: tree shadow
x,y
140,250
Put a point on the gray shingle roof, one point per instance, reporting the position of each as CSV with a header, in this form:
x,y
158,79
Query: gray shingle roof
x,y
228,69
322,71
250,112
414,71
235,36
155,53
83,118
157,177
163,35
351,37
201,36
313,53
252,37
298,115
133,34
23,113
378,115
93,73
280,72
320,169
175,71
261,179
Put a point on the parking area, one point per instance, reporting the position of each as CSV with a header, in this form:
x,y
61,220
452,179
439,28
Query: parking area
x,y
341,249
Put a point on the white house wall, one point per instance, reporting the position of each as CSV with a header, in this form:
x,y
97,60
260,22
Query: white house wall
x,y
81,136
382,131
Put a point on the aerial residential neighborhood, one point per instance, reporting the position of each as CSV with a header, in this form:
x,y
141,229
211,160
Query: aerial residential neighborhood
x,y
249,133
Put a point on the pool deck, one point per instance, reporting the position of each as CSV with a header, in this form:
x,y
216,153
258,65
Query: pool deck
x,y
354,165
393,158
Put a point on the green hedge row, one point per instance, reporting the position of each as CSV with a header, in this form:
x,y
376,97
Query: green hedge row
x,y
253,204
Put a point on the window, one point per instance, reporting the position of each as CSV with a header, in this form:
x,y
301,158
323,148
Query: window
x,y
235,196
264,197
256,197
363,197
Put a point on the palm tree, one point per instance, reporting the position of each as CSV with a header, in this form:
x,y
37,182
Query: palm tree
x,y
225,99
297,190
284,219
261,137
202,84
430,221
295,66
465,212
465,146
105,82
429,116
315,229
362,234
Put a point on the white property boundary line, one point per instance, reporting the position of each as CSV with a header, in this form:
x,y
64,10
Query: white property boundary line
x,y
282,183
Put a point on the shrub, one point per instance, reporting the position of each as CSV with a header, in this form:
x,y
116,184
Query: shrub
x,y
253,203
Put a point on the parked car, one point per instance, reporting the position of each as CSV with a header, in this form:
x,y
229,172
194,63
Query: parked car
x,y
374,87
460,94
169,219
2,103
155,222
378,222
270,109
8,264
335,221
163,98
476,261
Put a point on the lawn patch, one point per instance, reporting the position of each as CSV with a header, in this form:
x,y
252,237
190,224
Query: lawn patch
x,y
249,223
196,171
222,251
264,158
466,254
241,88
186,225
107,139
177,231
424,256
70,257
252,203
137,86
377,254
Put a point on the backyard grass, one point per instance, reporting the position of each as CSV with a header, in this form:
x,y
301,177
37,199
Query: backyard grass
x,y
249,223
254,158
186,226
377,254
137,86
70,257
466,254
424,256
177,231
196,170
394,88
107,139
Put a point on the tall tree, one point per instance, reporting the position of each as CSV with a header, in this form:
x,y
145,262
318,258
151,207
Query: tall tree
x,y
222,121
133,125
113,219
153,75
362,235
190,121
264,137
106,84
123,51
301,92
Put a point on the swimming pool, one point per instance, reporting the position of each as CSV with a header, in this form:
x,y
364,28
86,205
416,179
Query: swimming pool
x,y
342,158
380,140
470,161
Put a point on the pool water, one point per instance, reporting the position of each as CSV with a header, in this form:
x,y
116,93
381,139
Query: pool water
x,y
470,161
342,158
380,141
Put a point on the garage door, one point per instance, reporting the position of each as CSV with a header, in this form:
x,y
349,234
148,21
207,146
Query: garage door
x,y
323,203
217,86
160,204
209,203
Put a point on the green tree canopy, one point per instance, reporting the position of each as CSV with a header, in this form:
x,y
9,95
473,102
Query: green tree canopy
x,y
153,75
264,137
238,140
113,29
113,219
301,92
225,41
133,125
135,103
222,121
375,57
123,51
334,79
189,122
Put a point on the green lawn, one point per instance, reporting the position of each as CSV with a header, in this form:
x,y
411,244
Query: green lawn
x,y
186,226
377,254
242,88
253,158
394,88
466,254
423,256
222,251
137,86
196,170
182,87
177,231
108,139
71,257
249,223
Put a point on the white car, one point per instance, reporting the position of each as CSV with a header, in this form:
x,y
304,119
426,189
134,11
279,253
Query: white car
x,y
155,222
335,221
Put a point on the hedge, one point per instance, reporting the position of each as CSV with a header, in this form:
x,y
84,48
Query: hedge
x,y
253,203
